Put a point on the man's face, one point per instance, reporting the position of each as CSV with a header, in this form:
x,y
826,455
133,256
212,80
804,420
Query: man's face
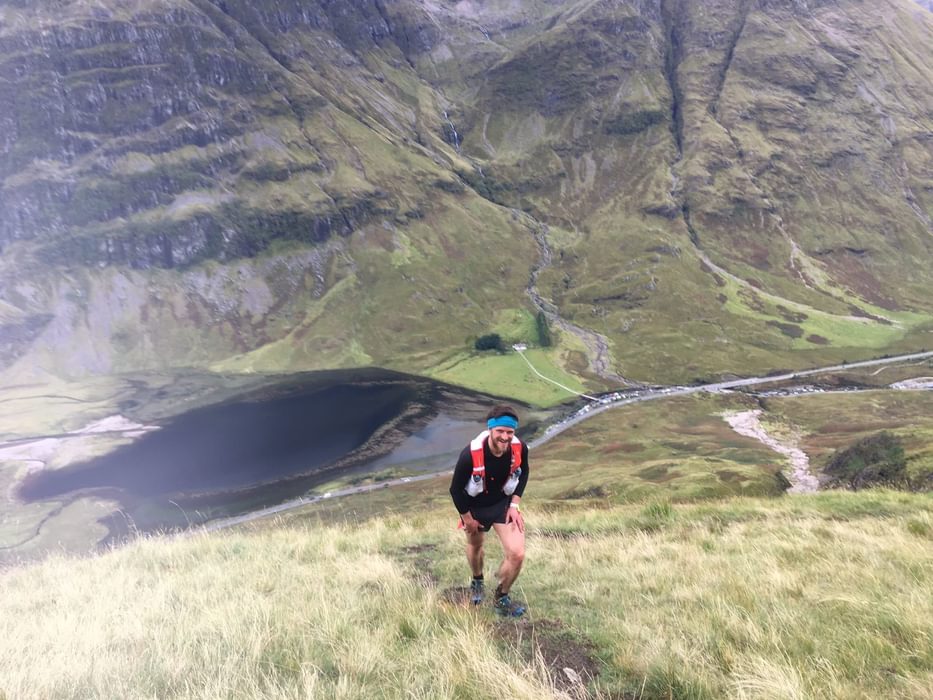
x,y
500,438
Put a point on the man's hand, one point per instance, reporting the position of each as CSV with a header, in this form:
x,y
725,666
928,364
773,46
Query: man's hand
x,y
470,524
515,516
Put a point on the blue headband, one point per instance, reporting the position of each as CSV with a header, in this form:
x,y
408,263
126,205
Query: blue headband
x,y
503,422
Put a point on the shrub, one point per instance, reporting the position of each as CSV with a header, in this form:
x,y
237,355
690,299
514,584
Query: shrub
x,y
874,460
633,122
491,341
544,332
486,185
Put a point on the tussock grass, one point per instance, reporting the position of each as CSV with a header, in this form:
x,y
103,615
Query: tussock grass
x,y
750,598
287,613
829,596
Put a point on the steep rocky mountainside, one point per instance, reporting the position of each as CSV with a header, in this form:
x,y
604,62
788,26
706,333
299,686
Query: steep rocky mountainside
x,y
711,186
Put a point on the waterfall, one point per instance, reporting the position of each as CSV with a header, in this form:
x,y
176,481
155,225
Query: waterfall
x,y
454,137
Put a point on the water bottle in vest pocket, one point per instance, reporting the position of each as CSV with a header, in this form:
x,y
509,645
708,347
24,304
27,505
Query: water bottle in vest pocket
x,y
475,485
512,482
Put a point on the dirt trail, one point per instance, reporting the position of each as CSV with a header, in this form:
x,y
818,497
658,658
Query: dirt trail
x,y
747,423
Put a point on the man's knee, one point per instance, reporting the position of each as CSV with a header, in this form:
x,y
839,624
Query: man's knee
x,y
516,555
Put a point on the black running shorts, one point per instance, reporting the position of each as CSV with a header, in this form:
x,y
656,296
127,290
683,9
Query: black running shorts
x,y
487,515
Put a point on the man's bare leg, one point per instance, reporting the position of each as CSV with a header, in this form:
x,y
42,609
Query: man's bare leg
x,y
474,552
513,546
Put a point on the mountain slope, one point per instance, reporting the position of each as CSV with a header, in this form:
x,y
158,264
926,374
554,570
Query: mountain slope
x,y
712,187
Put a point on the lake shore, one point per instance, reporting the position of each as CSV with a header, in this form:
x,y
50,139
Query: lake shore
x,y
430,426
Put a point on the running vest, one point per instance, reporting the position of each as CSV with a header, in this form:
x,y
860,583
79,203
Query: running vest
x,y
477,483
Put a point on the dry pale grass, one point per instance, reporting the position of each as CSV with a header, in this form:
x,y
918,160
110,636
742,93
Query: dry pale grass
x,y
829,596
798,599
300,613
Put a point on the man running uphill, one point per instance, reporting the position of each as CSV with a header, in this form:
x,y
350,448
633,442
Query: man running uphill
x,y
486,488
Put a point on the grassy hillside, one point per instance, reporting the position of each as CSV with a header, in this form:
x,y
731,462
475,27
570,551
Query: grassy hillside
x,y
826,596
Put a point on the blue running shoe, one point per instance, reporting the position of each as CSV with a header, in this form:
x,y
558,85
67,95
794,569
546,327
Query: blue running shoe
x,y
476,591
506,607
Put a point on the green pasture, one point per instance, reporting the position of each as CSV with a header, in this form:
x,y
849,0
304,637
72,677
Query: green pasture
x,y
507,374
